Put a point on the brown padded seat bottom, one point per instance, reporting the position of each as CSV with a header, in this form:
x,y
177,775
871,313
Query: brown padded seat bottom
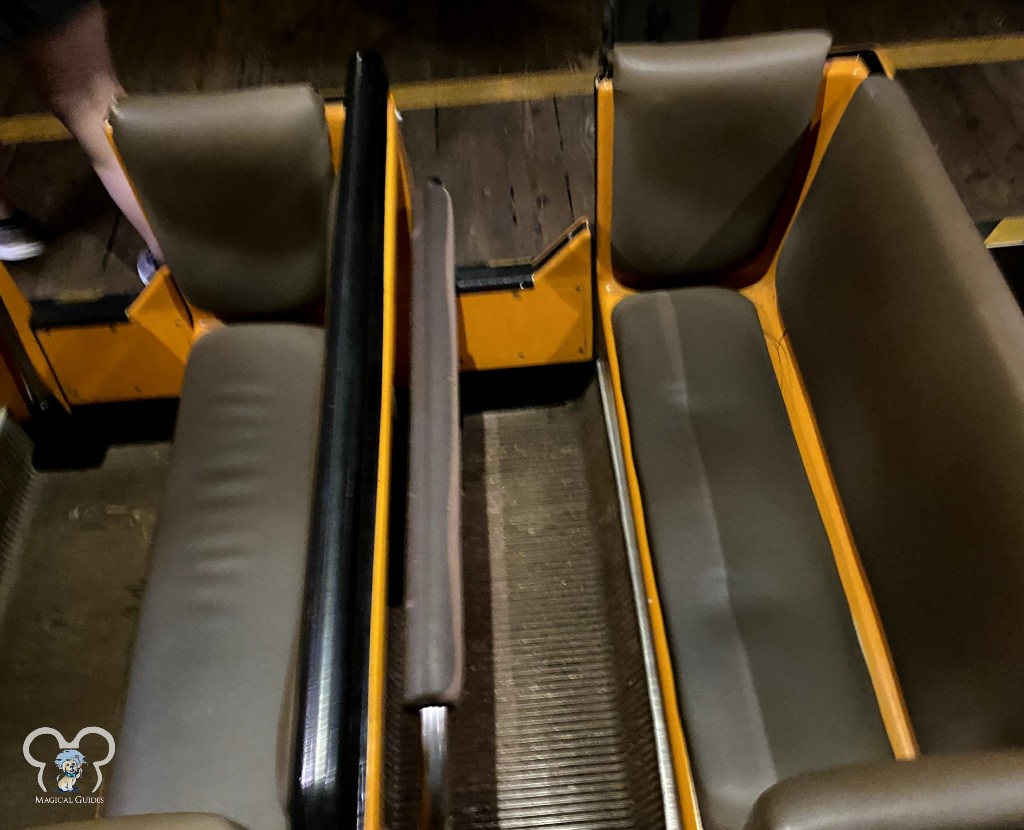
x,y
973,791
912,350
769,672
207,724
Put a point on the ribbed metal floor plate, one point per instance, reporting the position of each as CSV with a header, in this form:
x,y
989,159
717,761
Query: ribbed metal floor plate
x,y
554,729
79,546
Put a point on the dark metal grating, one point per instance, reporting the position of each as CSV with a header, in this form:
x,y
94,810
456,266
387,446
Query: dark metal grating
x,y
554,729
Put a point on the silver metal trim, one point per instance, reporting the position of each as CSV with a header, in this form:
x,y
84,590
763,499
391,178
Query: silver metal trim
x,y
670,798
434,744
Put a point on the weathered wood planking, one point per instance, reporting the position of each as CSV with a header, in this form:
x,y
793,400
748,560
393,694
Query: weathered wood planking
x,y
518,173
577,136
220,44
990,121
976,134
879,20
472,160
1007,82
538,175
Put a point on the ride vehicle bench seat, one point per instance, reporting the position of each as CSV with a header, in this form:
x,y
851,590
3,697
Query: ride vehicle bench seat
x,y
908,349
236,186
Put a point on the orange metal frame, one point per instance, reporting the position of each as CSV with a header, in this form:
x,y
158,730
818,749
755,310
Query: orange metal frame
x,y
397,211
549,322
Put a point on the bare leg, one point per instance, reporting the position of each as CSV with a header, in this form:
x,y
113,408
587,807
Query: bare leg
x,y
72,68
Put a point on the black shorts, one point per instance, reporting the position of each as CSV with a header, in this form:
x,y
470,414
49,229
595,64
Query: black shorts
x,y
20,19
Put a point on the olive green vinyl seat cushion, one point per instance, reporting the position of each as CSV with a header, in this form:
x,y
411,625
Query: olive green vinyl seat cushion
x,y
236,187
208,723
911,347
707,139
768,671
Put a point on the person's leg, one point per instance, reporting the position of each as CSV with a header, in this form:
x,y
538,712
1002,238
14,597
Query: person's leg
x,y
72,68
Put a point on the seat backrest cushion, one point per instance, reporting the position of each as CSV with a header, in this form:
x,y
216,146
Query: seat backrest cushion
x,y
236,186
707,136
912,352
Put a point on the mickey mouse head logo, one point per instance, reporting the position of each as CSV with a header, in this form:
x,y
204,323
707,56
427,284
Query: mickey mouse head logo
x,y
69,759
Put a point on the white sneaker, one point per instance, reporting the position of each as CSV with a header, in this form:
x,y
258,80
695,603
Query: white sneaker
x,y
17,242
147,266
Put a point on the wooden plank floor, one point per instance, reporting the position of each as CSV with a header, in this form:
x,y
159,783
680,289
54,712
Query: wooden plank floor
x,y
879,20
518,172
975,116
218,44
73,625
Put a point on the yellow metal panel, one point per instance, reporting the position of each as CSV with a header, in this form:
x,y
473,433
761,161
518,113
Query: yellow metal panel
x,y
493,89
335,115
394,188
1008,233
32,128
21,314
549,323
141,358
930,54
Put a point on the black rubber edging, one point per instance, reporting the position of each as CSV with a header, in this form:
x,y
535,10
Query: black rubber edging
x,y
477,279
329,775
109,310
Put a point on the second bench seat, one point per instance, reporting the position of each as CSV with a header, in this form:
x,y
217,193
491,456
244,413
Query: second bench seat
x,y
768,670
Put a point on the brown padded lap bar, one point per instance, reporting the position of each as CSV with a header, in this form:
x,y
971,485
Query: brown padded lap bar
x,y
209,694
433,624
706,139
770,676
949,792
236,187
912,350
